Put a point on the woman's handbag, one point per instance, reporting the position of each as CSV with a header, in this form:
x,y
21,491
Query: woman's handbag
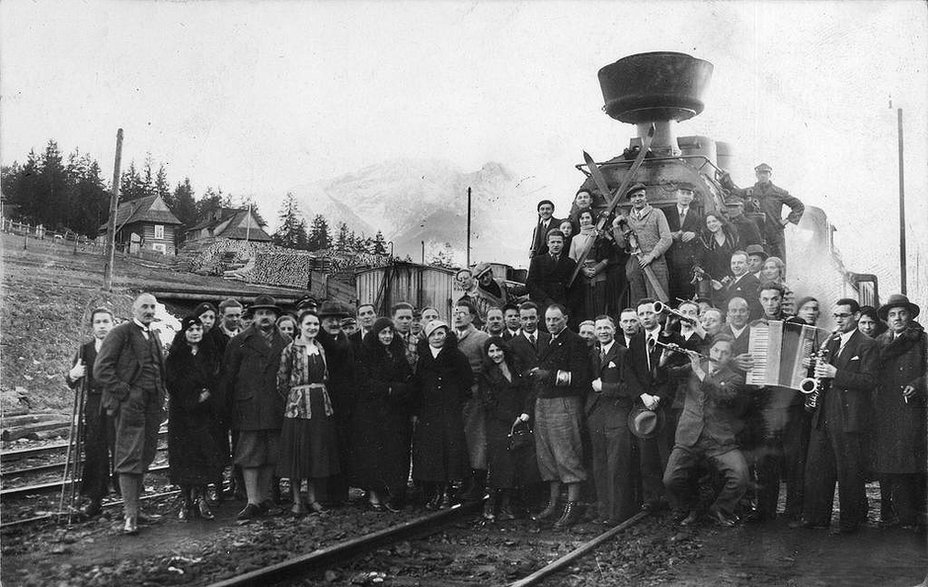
x,y
521,437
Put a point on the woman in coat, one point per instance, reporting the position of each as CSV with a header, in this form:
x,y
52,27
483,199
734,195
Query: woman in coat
x,y
442,384
308,441
219,425
718,241
589,290
899,450
191,374
509,402
380,421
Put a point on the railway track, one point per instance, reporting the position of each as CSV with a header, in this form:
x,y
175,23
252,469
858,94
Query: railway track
x,y
6,456
57,467
303,568
51,487
106,505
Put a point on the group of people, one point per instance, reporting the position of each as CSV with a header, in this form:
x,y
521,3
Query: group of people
x,y
563,397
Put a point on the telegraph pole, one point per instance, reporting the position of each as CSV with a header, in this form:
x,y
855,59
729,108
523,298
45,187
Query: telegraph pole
x,y
111,228
468,227
902,277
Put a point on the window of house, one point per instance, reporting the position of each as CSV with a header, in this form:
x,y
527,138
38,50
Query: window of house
x,y
159,231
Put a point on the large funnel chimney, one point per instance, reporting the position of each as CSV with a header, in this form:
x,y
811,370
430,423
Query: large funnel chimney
x,y
661,88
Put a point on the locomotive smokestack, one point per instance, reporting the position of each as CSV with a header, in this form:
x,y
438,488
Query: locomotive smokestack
x,y
661,88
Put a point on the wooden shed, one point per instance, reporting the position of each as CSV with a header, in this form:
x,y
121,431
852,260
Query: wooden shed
x,y
420,285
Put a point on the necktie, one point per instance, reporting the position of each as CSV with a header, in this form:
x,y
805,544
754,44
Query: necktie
x,y
531,339
602,355
554,257
683,216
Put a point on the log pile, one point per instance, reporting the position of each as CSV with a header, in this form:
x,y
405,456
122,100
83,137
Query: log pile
x,y
221,255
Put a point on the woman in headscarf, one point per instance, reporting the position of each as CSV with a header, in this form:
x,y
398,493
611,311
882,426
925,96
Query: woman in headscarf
x,y
380,421
308,442
509,401
870,323
774,269
442,384
191,374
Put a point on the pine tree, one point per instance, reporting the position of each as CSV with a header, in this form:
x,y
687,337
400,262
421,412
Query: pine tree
x,y
185,205
292,230
319,237
379,245
343,239
131,186
210,205
162,187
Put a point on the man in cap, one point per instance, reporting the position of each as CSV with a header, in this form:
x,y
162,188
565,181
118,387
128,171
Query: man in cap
x,y
769,200
708,428
684,221
489,291
652,237
250,369
836,451
899,409
756,257
130,369
339,358
546,223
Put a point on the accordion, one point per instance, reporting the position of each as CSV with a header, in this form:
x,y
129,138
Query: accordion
x,y
778,349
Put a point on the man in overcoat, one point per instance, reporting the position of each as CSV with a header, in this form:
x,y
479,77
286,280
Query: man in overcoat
x,y
130,368
470,342
549,274
529,340
561,381
98,439
835,447
685,222
250,381
607,408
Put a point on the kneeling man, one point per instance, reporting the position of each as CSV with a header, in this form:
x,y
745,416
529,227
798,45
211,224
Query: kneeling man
x,y
707,429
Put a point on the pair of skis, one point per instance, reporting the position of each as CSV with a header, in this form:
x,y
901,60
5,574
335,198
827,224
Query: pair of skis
x,y
632,239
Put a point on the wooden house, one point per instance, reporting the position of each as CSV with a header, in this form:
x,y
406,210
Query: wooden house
x,y
229,223
145,224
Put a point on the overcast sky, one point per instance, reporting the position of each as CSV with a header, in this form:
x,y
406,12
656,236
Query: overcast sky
x,y
257,97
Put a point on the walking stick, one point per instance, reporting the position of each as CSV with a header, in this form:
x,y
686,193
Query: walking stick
x,y
77,470
73,454
70,451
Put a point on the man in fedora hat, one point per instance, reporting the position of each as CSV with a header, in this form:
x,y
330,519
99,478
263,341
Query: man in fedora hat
x,y
899,409
649,226
339,355
130,369
707,429
769,200
756,257
250,369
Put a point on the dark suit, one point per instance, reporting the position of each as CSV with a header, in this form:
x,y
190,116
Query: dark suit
x,y
746,287
607,420
838,422
98,433
527,355
708,428
653,380
135,399
559,407
547,280
683,256
540,237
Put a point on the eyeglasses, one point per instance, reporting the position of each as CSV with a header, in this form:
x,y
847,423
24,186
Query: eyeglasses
x,y
842,315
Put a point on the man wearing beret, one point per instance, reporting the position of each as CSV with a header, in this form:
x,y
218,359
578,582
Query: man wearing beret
x,y
769,200
130,368
546,222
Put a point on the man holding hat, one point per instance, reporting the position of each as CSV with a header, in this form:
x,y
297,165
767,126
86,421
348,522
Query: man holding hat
x,y
684,221
769,200
899,409
250,379
649,226
546,222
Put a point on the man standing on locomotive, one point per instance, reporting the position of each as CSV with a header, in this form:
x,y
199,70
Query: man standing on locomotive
x,y
649,226
685,252
769,200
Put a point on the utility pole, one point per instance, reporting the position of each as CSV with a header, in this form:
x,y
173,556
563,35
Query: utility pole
x,y
111,228
902,277
423,251
468,227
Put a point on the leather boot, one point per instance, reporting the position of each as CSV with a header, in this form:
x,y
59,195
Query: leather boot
x,y
570,516
203,506
186,507
546,514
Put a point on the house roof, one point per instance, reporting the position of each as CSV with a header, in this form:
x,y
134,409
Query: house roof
x,y
225,214
147,209
236,226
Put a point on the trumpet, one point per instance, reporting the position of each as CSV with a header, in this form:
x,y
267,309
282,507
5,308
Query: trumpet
x,y
675,348
662,308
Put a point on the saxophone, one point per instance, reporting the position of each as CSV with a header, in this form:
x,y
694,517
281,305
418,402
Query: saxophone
x,y
812,386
